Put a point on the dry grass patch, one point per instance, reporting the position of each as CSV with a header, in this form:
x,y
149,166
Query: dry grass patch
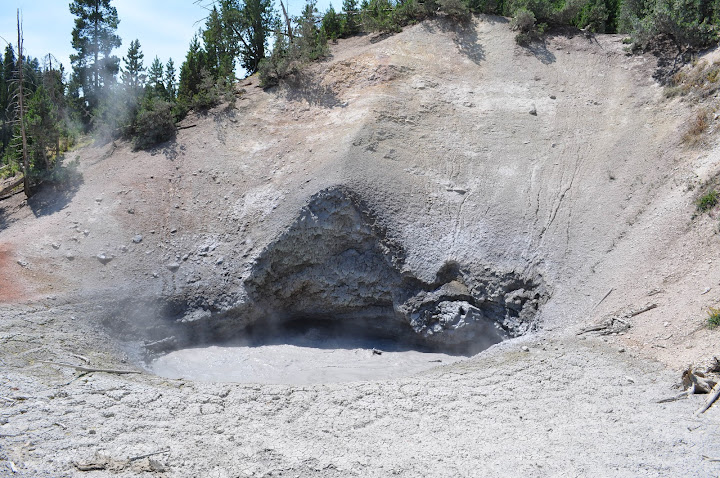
x,y
698,125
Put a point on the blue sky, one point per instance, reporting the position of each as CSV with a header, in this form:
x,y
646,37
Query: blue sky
x,y
164,27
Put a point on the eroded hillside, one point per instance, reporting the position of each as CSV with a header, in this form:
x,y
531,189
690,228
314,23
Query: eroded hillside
x,y
444,182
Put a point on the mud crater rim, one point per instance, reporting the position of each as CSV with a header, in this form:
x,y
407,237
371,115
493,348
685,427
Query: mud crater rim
x,y
338,268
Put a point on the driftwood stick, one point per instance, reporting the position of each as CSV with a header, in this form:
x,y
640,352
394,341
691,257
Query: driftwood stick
x,y
643,310
592,328
84,359
90,466
185,127
89,369
603,299
684,394
714,394
12,186
140,457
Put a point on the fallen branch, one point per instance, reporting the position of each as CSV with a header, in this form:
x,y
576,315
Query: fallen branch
x,y
90,466
714,394
178,128
80,368
708,458
603,299
642,311
84,359
14,399
684,394
135,458
608,326
11,186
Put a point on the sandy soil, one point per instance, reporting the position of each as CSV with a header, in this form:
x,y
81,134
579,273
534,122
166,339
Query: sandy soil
x,y
595,193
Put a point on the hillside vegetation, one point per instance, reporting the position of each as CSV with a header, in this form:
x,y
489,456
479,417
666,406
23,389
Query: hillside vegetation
x,y
113,98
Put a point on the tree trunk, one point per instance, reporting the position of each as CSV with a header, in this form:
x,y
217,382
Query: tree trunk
x,y
96,48
287,22
21,100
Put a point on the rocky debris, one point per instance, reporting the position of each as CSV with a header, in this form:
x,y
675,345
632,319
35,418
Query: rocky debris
x,y
533,110
104,258
22,263
137,239
173,266
525,348
70,256
55,245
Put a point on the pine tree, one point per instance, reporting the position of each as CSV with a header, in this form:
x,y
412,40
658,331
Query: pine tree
x,y
134,74
220,48
331,24
170,82
156,85
350,21
310,41
3,86
192,70
250,25
42,127
94,38
54,84
8,74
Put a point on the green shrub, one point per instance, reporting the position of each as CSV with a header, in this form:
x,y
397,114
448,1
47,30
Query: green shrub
x,y
713,317
491,7
594,16
707,201
154,124
457,10
377,15
687,23
523,21
61,174
309,44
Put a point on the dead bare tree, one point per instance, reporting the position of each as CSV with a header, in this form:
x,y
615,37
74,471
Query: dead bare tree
x,y
21,109
288,24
